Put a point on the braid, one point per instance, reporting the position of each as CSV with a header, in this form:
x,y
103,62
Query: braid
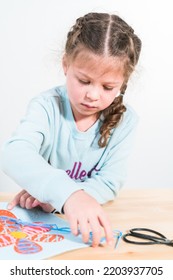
x,y
73,35
112,116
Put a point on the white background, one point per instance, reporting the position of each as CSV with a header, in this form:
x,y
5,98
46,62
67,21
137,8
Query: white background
x,y
32,37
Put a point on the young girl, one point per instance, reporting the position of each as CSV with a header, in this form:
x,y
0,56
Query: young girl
x,y
71,148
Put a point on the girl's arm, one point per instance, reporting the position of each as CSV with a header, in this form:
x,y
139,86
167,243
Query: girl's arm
x,y
22,160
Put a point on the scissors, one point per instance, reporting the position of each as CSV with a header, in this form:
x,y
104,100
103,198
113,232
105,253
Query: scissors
x,y
153,237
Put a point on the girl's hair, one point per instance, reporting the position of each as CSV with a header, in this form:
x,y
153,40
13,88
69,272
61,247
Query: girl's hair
x,y
105,34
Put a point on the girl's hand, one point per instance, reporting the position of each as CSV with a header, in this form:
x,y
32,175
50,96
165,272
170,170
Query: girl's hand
x,y
25,200
85,212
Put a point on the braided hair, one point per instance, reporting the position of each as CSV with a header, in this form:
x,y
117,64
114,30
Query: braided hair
x,y
105,34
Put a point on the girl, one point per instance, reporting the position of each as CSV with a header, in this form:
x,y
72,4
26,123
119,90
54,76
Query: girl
x,y
70,150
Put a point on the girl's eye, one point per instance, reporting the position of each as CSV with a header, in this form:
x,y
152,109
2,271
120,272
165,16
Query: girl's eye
x,y
108,88
84,82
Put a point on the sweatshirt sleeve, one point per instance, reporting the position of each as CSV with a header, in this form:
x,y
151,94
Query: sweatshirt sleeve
x,y
112,169
22,157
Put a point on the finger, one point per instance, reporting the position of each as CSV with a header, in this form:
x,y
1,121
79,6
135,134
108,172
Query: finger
x,y
15,200
23,199
104,222
73,226
96,232
46,207
29,201
84,230
36,203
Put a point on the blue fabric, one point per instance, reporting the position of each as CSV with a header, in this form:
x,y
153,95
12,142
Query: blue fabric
x,y
51,159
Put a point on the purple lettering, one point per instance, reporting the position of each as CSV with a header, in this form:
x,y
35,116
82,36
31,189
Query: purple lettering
x,y
77,172
82,174
73,170
93,169
68,171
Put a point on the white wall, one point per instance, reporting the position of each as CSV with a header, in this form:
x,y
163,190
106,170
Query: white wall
x,y
32,36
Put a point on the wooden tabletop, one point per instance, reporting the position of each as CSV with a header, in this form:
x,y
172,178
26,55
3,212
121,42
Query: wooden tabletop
x,y
149,208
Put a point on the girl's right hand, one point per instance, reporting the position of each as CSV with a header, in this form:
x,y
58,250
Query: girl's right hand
x,y
25,200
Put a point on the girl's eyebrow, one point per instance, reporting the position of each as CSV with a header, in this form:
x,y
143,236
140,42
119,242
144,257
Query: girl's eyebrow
x,y
83,74
113,83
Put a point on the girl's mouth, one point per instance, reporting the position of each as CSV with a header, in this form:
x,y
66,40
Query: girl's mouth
x,y
88,106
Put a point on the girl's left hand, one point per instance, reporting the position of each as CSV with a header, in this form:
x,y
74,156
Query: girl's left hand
x,y
25,200
84,213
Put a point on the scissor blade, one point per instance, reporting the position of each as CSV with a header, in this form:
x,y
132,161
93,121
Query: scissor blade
x,y
169,243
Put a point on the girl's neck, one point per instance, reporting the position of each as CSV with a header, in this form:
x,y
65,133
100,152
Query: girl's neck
x,y
84,122
84,125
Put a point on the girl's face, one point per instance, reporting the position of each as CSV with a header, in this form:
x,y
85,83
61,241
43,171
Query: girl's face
x,y
93,82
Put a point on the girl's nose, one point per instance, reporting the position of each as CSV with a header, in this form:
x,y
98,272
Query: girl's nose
x,y
93,94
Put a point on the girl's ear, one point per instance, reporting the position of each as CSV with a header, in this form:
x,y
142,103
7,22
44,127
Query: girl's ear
x,y
65,64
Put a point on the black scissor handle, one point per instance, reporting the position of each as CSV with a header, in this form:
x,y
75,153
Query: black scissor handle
x,y
138,231
150,239
126,239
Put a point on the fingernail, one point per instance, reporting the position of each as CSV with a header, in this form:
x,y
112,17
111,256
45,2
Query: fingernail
x,y
9,206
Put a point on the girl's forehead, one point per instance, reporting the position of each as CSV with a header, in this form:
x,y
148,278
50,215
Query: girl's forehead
x,y
101,64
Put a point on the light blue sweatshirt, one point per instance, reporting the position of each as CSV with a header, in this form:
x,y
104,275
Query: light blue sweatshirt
x,y
51,159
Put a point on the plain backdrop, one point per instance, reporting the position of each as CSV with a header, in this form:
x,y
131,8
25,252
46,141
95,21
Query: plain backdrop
x,y
32,38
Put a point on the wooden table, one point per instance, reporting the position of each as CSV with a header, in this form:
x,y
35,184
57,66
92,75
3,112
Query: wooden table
x,y
151,208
